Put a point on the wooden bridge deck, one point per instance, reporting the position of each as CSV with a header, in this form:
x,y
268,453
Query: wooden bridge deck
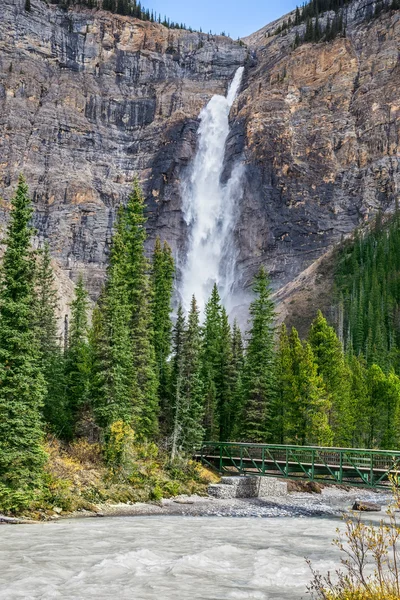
x,y
348,466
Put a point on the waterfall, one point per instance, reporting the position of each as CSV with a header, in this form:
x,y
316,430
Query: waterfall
x,y
209,207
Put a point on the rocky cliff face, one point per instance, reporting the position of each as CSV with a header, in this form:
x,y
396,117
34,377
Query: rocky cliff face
x,y
88,99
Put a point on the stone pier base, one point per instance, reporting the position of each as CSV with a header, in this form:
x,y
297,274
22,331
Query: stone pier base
x,y
248,487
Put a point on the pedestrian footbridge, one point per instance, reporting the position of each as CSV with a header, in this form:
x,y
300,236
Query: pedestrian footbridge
x,y
347,466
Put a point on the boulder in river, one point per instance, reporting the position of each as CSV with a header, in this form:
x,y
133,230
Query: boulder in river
x,y
366,506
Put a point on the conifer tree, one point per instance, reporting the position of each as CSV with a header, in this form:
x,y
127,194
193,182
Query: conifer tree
x,y
334,371
174,416
52,362
211,351
237,383
383,409
77,367
258,376
162,283
306,413
284,388
192,406
125,381
142,331
359,401
22,386
225,380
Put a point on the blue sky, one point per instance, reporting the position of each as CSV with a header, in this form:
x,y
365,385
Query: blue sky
x,y
236,17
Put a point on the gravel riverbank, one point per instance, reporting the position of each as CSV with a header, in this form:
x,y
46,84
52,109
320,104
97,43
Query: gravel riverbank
x,y
331,501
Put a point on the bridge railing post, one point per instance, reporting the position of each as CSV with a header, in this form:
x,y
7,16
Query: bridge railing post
x,y
220,458
371,475
263,461
313,465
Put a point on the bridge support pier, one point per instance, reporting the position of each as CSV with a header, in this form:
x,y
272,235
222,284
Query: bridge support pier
x,y
248,487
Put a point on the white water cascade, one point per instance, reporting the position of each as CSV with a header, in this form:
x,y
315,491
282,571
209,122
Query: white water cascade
x,y
210,207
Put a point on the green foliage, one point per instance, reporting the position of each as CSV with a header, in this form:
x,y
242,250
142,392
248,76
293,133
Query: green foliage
x,y
368,294
191,406
306,404
125,383
259,371
162,285
77,356
55,409
130,8
22,386
211,348
335,373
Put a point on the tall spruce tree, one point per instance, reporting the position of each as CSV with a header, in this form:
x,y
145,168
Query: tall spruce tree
x,y
77,365
284,388
22,386
259,369
52,361
359,401
191,391
383,409
211,353
174,416
333,369
237,384
225,380
307,403
162,283
125,384
141,323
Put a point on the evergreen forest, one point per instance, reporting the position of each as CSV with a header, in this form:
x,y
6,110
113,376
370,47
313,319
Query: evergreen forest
x,y
128,370
325,20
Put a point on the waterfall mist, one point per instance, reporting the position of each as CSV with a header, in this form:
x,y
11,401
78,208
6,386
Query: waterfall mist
x,y
210,207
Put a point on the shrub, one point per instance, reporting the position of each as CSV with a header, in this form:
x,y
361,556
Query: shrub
x,y
365,546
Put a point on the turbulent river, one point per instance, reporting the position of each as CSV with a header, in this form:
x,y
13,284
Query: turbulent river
x,y
165,558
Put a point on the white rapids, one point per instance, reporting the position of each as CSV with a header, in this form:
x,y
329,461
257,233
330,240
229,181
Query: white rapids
x,y
210,207
165,558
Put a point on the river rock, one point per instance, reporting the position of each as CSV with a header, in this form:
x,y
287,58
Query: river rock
x,y
366,506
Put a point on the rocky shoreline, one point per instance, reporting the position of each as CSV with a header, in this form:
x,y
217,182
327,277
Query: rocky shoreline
x,y
332,501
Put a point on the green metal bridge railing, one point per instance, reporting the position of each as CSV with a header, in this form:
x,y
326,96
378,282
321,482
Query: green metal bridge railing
x,y
348,466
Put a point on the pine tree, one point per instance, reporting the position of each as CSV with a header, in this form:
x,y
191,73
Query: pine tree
x,y
334,371
237,383
125,384
191,392
284,388
211,351
225,380
162,283
22,384
140,300
52,362
359,401
258,376
306,411
77,367
383,409
174,416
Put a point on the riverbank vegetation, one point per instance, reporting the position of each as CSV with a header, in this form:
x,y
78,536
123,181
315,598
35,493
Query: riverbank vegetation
x,y
370,564
142,389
